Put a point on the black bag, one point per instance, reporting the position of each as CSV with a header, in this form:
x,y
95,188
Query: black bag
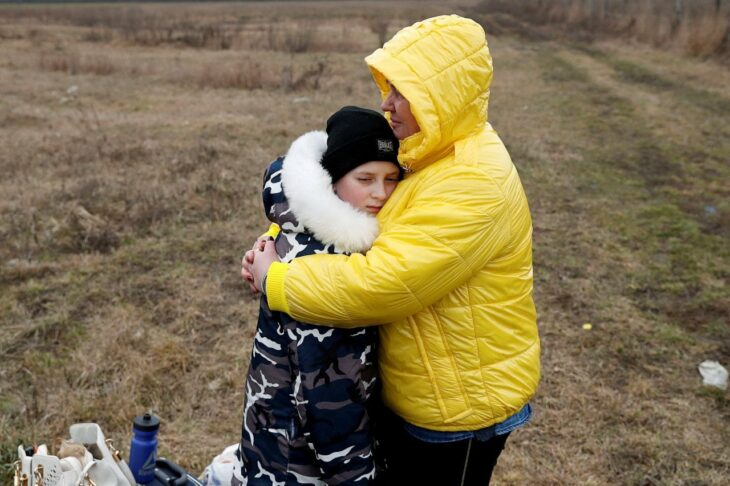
x,y
167,473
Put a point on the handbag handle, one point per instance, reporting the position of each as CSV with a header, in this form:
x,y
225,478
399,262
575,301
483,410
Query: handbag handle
x,y
85,478
88,480
20,478
38,475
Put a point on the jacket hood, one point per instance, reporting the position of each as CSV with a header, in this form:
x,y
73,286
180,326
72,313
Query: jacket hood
x,y
442,66
310,203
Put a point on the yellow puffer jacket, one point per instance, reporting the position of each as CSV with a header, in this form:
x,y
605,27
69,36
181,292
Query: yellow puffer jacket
x,y
452,268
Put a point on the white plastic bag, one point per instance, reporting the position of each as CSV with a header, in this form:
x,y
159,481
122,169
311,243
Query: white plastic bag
x,y
225,470
713,374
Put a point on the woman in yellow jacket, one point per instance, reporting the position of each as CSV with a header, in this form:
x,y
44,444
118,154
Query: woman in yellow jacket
x,y
451,271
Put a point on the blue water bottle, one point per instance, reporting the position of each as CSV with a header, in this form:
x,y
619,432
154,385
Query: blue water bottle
x,y
143,450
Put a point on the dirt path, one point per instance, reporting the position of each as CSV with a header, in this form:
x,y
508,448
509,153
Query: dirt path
x,y
623,166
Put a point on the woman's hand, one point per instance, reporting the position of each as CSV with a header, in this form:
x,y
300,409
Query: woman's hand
x,y
247,262
261,262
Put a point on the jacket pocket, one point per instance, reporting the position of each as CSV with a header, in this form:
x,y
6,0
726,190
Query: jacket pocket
x,y
443,372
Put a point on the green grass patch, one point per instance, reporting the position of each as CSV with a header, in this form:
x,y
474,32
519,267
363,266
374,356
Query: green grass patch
x,y
673,335
556,69
8,455
623,158
635,73
641,75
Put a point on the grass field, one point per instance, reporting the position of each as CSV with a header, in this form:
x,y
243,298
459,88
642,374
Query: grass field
x,y
133,142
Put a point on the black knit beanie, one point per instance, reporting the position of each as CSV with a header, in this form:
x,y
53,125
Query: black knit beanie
x,y
356,136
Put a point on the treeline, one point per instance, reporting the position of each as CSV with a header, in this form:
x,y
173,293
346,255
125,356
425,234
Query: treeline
x,y
161,1
143,1
700,27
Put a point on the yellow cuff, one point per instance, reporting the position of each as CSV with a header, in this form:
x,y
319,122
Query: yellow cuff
x,y
273,231
275,287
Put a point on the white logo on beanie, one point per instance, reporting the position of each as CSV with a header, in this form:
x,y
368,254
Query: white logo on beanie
x,y
385,145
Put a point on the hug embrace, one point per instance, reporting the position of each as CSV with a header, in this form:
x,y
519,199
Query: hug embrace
x,y
397,339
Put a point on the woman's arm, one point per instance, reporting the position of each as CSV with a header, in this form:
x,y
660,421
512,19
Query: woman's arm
x,y
451,229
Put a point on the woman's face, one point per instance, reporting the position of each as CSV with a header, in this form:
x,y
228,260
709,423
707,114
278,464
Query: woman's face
x,y
402,121
368,186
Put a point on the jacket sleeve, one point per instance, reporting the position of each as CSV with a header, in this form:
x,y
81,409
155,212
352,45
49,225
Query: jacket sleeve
x,y
453,225
272,232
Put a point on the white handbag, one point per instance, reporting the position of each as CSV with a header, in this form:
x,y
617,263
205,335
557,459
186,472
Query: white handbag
x,y
101,464
92,437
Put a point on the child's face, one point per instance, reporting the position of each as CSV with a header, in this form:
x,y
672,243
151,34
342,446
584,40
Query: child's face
x,y
368,186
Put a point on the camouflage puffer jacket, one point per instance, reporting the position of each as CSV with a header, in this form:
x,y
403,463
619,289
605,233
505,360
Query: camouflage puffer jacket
x,y
305,413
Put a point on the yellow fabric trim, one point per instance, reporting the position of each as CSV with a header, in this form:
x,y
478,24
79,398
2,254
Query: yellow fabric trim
x,y
272,232
275,287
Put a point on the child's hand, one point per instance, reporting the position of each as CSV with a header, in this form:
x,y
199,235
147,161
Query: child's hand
x,y
247,262
261,263
261,242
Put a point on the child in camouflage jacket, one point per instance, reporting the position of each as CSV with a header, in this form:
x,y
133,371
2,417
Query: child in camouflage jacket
x,y
306,408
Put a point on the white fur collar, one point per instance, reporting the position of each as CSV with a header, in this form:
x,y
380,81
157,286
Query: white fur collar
x,y
308,188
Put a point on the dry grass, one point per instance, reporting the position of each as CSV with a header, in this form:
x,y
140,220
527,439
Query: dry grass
x,y
131,173
71,62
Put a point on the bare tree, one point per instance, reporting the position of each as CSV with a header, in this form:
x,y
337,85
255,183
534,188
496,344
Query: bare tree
x,y
379,26
591,7
678,13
